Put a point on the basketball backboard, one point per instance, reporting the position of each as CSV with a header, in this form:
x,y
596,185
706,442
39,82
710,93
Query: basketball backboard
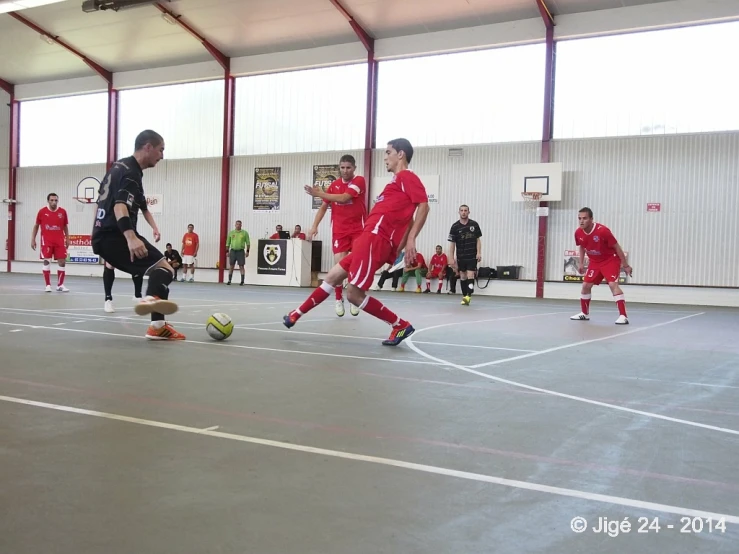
x,y
542,178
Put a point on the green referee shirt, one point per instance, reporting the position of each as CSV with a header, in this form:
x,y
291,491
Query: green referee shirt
x,y
237,240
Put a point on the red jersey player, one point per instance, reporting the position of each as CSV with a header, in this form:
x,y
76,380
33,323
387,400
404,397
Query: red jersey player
x,y
606,259
437,269
389,228
348,199
190,247
54,225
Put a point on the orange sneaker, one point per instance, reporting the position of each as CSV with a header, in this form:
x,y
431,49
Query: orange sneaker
x,y
164,333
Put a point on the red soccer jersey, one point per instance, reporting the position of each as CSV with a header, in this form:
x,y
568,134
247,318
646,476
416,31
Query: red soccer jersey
x,y
52,225
599,244
394,209
438,263
190,243
347,218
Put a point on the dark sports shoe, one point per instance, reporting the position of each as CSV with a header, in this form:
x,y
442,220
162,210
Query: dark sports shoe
x,y
291,319
399,334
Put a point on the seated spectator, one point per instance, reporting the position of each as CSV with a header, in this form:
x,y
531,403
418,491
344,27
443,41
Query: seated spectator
x,y
298,234
395,275
418,269
277,232
173,258
437,269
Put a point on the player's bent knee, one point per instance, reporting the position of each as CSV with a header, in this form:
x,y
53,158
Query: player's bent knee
x,y
355,295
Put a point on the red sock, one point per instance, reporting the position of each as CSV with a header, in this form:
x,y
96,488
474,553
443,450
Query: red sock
x,y
585,303
47,277
440,284
374,307
60,277
621,303
428,284
316,297
339,292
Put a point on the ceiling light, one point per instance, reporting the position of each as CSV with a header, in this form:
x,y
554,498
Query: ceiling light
x,y
16,5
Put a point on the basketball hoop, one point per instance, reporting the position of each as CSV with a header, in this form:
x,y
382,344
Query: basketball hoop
x,y
531,200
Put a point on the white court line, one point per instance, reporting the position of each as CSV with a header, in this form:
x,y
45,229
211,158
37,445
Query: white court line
x,y
673,382
182,307
118,318
574,344
570,396
227,345
478,477
249,326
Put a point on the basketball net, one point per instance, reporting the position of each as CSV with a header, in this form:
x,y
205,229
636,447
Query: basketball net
x,y
82,202
531,200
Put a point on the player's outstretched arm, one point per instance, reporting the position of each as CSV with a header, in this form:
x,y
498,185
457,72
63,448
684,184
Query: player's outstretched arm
x,y
135,246
34,232
581,262
153,224
422,213
622,257
313,231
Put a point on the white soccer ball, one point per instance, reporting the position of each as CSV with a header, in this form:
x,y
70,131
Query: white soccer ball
x,y
219,326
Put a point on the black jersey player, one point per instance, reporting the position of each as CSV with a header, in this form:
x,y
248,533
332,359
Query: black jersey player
x,y
116,240
464,252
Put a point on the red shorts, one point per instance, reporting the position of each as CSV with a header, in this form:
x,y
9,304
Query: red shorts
x,y
435,274
56,251
609,271
369,254
345,243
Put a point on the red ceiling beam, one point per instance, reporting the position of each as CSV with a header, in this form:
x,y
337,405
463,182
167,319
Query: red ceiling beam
x,y
367,41
7,87
219,56
546,15
97,68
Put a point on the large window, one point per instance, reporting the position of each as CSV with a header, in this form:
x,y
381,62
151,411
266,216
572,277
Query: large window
x,y
659,82
188,116
64,131
314,110
465,98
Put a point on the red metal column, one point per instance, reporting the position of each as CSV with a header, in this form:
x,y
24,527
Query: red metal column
x,y
370,136
546,140
14,143
229,114
372,66
229,109
112,125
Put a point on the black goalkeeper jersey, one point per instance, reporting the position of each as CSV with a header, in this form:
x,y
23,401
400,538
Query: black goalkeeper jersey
x,y
122,184
465,237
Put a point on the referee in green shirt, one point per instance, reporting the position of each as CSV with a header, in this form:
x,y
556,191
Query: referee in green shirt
x,y
236,243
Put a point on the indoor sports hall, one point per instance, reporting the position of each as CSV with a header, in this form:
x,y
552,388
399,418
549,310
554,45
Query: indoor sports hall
x,y
500,425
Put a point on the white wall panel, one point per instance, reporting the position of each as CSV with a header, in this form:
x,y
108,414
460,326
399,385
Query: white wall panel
x,y
482,180
317,110
4,161
693,240
34,184
191,192
188,116
295,204
53,130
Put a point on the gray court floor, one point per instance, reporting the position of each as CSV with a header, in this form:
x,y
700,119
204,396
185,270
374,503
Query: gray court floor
x,y
491,430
